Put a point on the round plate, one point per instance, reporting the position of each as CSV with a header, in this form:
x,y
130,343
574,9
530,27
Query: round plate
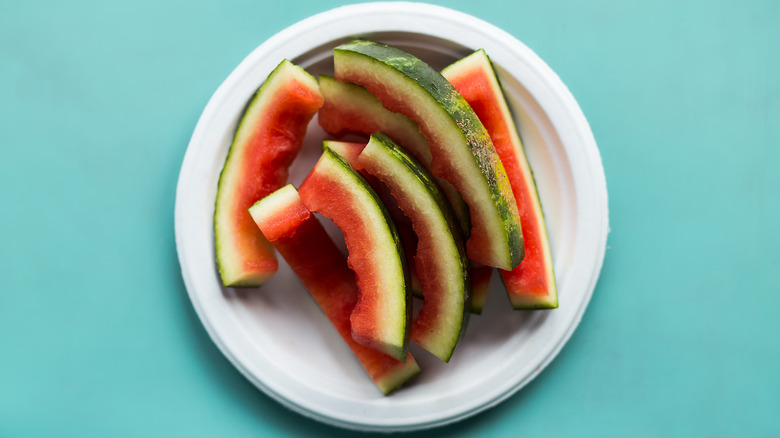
x,y
278,338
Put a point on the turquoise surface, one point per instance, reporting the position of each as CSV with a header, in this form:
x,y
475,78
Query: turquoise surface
x,y
98,338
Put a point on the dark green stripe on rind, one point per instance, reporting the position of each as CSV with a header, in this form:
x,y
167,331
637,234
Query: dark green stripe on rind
x,y
373,56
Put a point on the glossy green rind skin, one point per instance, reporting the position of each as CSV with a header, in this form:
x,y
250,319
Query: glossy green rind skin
x,y
463,153
381,318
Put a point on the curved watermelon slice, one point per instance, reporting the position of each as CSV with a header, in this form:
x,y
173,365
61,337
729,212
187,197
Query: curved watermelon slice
x,y
266,141
532,283
382,315
351,108
323,270
460,146
440,259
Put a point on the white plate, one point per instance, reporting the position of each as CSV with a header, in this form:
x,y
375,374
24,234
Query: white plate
x,y
277,337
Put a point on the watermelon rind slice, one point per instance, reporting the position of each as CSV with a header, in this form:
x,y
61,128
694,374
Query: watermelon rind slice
x,y
267,140
461,149
381,318
530,285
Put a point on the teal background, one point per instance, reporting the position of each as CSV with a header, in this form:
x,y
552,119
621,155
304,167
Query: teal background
x,y
98,338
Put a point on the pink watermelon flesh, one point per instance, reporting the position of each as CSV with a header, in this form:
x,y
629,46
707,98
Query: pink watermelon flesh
x,y
323,270
480,283
267,140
